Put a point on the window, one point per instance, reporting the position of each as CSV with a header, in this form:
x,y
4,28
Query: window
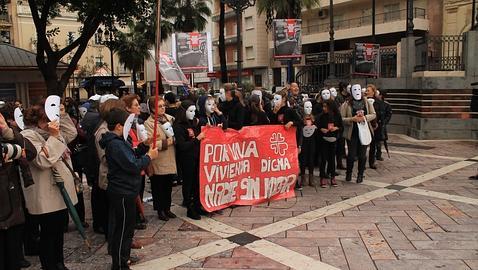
x,y
366,16
339,22
99,61
5,36
249,23
250,52
392,12
258,80
234,56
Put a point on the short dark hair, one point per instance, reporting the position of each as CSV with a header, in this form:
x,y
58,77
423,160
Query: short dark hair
x,y
116,116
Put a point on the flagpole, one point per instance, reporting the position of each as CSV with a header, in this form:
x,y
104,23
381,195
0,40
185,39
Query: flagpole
x,y
158,75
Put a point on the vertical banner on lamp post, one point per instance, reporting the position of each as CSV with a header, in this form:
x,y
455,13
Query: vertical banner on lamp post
x,y
367,59
287,38
251,166
193,51
170,71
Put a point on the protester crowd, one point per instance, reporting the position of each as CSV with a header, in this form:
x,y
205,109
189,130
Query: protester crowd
x,y
88,141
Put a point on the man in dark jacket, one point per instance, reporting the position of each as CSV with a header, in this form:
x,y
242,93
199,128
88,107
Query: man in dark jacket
x,y
386,115
124,183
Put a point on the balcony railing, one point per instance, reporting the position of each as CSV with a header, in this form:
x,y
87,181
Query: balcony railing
x,y
380,18
439,53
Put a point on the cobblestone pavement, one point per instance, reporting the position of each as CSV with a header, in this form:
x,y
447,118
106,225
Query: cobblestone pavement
x,y
417,211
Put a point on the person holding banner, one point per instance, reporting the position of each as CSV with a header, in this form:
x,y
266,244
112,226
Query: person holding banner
x,y
162,170
355,111
330,125
188,139
255,114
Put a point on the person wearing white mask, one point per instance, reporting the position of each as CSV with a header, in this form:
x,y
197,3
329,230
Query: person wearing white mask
x,y
308,140
325,94
188,139
355,111
209,114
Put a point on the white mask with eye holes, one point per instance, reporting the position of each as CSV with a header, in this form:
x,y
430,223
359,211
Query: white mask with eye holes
x,y
168,129
307,107
325,94
52,107
356,91
191,112
210,105
222,94
333,92
277,100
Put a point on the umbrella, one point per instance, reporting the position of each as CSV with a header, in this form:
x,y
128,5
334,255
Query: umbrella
x,y
385,143
71,208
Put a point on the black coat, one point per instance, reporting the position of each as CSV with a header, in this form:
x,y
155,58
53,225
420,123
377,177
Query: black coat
x,y
11,196
234,112
384,113
186,145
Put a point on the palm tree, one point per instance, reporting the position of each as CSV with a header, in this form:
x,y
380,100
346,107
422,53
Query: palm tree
x,y
191,15
283,9
132,48
222,42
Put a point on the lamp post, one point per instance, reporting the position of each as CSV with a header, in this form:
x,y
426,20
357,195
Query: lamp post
x,y
473,15
239,6
109,43
331,41
410,18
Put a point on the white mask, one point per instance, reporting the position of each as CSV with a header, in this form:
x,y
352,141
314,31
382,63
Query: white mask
x,y
127,126
83,111
307,107
364,90
333,92
222,94
325,94
210,105
349,89
356,91
305,97
277,100
191,112
18,116
52,108
168,129
142,132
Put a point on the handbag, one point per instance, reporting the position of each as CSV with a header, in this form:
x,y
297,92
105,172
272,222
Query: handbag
x,y
364,133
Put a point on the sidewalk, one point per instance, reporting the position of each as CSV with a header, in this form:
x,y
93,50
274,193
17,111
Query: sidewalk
x,y
417,211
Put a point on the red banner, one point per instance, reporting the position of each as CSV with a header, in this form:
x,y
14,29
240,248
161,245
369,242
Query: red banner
x,y
251,166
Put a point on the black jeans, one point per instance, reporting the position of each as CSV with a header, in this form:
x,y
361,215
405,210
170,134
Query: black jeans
x,y
378,152
122,213
190,187
356,149
340,148
307,155
51,239
99,208
11,248
161,188
328,157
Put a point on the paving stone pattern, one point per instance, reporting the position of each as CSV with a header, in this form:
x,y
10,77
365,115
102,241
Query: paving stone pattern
x,y
360,230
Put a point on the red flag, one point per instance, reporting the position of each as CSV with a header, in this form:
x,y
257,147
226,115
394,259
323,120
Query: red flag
x,y
158,76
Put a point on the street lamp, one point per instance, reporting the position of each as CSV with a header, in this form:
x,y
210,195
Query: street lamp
x,y
410,18
109,43
239,6
331,41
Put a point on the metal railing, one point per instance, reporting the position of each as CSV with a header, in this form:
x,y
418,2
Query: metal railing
x,y
439,53
312,77
380,18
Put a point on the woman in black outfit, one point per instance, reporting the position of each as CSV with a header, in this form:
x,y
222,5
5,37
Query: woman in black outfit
x,y
255,113
188,138
330,126
282,114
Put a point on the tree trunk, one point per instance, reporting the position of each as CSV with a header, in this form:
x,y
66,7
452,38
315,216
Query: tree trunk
x,y
135,87
222,44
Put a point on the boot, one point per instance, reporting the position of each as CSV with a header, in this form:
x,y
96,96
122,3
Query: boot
x,y
340,163
192,213
162,216
333,182
323,182
348,177
359,178
311,180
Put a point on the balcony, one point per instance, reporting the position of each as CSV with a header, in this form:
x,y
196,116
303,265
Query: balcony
x,y
5,19
389,22
229,40
228,15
